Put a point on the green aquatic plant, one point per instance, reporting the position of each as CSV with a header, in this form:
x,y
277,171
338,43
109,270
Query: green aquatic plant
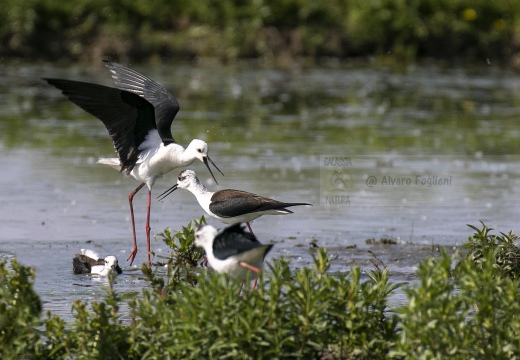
x,y
182,244
97,331
307,313
304,314
20,311
461,313
184,256
506,252
467,311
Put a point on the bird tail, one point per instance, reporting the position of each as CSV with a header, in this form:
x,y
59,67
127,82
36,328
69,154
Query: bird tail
x,y
91,254
113,162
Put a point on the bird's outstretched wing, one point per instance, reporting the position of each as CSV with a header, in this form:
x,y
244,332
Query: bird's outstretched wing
x,y
127,117
166,106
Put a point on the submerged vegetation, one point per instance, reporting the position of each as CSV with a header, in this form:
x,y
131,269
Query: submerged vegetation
x,y
466,311
270,30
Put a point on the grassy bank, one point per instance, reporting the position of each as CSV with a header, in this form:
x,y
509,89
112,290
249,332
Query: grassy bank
x,y
464,311
273,31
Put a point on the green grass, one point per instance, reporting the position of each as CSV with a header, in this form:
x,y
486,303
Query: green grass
x,y
462,307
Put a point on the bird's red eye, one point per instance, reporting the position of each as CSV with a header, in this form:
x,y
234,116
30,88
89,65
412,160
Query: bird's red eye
x,y
199,150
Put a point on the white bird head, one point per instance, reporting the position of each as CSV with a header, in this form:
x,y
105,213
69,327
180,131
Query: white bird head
x,y
186,179
112,264
198,149
111,261
204,236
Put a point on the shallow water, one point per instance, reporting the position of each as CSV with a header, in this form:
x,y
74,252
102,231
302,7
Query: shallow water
x,y
412,155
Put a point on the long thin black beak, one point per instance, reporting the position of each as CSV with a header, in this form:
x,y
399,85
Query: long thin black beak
x,y
205,159
167,192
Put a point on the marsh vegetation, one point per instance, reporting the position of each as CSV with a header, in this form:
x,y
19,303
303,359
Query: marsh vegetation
x,y
464,306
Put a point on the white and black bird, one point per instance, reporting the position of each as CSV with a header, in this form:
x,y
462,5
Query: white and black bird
x,y
229,206
138,115
89,262
232,250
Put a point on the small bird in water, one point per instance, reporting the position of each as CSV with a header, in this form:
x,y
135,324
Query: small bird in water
x,y
232,250
89,262
138,115
229,206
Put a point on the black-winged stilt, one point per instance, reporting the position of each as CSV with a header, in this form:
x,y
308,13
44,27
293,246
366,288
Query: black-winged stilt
x,y
89,262
232,250
229,206
138,116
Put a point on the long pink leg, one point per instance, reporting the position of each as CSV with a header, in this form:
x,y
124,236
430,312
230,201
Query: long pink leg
x,y
253,269
148,226
249,267
133,253
256,280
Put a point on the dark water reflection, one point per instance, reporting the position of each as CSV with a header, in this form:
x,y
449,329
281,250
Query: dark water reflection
x,y
271,132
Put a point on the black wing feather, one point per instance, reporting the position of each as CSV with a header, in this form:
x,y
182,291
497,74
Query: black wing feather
x,y
233,240
82,264
231,203
91,261
127,117
79,267
166,106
